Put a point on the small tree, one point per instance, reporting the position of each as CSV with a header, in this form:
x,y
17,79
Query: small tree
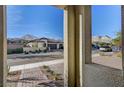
x,y
101,44
117,40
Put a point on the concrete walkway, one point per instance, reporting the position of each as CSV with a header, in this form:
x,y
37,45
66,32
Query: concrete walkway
x,y
95,55
34,65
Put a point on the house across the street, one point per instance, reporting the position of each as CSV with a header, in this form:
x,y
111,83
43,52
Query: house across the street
x,y
99,39
43,44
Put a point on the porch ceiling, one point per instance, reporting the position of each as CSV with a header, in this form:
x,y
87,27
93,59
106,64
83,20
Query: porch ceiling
x,y
61,6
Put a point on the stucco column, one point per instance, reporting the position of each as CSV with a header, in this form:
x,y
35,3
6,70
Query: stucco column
x,y
72,45
86,35
77,43
3,46
82,41
122,27
65,48
69,46
77,10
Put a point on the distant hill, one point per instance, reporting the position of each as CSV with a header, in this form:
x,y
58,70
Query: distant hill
x,y
29,37
22,40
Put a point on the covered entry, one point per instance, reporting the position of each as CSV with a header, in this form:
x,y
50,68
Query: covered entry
x,y
77,43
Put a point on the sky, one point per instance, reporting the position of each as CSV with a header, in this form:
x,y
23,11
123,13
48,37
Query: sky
x,y
47,21
40,21
106,20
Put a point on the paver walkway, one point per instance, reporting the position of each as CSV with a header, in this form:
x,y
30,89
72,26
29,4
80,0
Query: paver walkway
x,y
32,78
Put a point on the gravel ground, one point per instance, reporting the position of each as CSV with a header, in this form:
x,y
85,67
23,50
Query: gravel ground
x,y
102,76
106,71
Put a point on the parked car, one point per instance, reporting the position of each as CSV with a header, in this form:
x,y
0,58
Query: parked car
x,y
116,48
105,49
95,47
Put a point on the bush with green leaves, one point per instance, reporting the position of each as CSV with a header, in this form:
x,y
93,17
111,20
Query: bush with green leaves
x,y
15,51
102,44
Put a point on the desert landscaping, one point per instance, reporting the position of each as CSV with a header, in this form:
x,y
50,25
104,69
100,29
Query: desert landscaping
x,y
36,70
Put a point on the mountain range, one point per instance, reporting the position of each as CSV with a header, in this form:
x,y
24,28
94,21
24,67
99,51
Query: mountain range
x,y
25,37
29,37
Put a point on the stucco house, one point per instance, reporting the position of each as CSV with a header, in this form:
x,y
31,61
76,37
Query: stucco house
x,y
43,44
99,39
52,44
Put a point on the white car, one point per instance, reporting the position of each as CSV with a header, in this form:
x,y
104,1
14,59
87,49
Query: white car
x,y
105,49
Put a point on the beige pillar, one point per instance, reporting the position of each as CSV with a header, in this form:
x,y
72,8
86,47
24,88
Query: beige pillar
x,y
3,46
65,48
82,41
122,27
69,46
86,35
72,45
77,10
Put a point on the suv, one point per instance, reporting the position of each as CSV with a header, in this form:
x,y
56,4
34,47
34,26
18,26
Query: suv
x,y
105,49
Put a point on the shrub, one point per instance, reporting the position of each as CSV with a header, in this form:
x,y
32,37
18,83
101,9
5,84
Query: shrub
x,y
46,67
15,51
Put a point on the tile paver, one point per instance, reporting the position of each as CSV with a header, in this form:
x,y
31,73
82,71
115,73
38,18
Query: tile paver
x,y
32,77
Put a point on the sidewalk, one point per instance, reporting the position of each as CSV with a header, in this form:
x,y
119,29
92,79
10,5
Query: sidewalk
x,y
34,65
